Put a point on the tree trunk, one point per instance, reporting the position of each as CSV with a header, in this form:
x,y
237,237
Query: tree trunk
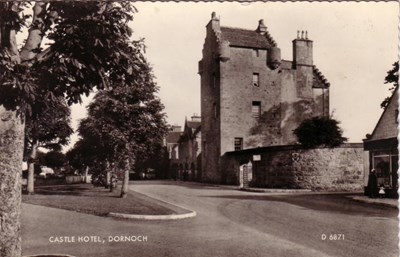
x,y
108,175
31,168
125,181
11,154
86,174
12,143
113,173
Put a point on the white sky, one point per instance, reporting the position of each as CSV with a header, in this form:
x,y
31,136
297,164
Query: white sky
x,y
355,44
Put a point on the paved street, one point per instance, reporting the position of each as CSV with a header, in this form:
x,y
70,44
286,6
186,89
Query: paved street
x,y
228,223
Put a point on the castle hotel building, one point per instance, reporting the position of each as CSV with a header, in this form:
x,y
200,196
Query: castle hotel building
x,y
250,97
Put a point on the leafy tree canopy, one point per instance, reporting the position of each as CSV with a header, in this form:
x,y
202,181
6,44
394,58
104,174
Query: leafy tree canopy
x,y
126,121
320,131
55,159
82,154
392,78
49,126
89,47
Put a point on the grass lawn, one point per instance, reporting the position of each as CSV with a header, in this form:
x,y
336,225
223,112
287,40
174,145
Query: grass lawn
x,y
97,200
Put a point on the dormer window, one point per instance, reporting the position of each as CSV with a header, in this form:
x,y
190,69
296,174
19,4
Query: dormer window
x,y
256,79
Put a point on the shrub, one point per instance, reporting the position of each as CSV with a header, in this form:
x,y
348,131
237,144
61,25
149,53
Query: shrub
x,y
320,131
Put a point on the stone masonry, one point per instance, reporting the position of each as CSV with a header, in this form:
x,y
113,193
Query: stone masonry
x,y
250,96
332,169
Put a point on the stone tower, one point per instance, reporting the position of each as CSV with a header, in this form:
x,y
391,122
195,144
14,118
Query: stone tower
x,y
250,97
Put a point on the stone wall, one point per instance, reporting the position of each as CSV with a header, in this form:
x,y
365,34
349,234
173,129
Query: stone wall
x,y
210,104
238,94
332,169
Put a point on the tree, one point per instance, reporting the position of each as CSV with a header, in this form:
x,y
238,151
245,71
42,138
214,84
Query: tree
x,y
80,156
158,161
89,47
320,131
48,127
55,159
392,77
127,120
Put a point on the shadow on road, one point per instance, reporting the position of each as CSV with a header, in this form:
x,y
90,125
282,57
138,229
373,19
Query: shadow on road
x,y
338,203
186,184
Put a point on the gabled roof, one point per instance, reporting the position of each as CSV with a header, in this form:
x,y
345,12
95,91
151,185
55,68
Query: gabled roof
x,y
191,129
246,38
173,137
386,126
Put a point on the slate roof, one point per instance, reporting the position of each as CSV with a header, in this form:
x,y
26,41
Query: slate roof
x,y
173,137
246,38
393,102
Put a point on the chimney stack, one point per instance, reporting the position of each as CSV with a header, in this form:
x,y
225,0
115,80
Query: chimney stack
x,y
262,29
214,22
302,49
196,117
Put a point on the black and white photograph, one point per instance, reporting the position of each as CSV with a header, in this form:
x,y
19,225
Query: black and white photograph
x,y
229,129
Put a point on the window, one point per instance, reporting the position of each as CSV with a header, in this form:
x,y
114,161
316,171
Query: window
x,y
256,80
385,164
238,143
256,109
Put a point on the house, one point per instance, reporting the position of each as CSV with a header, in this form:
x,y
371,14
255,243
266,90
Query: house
x,y
380,148
171,142
250,97
190,149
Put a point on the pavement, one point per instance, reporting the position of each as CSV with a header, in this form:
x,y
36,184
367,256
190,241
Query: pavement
x,y
377,201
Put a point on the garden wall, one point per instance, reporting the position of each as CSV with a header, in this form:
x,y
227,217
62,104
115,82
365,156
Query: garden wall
x,y
331,169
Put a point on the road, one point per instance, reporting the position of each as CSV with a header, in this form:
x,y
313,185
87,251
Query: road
x,y
228,223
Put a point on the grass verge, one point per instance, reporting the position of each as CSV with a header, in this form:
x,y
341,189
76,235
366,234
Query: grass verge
x,y
99,201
